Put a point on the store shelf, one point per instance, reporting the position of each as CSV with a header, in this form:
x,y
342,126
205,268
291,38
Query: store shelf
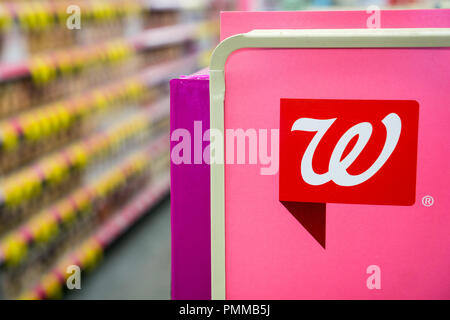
x,y
99,98
13,248
78,111
108,233
52,170
176,4
42,13
88,254
166,35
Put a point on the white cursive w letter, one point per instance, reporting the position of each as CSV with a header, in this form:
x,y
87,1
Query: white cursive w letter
x,y
337,170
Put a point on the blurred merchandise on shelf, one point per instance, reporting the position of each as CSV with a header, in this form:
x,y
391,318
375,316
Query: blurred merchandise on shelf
x,y
84,122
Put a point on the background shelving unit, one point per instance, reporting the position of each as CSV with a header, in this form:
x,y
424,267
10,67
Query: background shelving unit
x,y
84,126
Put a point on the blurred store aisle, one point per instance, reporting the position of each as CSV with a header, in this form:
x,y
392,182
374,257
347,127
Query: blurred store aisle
x,y
137,266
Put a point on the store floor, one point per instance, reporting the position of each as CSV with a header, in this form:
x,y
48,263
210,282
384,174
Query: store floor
x,y
137,266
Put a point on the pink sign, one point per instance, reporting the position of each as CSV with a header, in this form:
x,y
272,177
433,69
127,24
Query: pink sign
x,y
348,151
339,251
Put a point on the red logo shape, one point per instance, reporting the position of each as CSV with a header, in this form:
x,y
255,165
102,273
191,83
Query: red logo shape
x,y
348,151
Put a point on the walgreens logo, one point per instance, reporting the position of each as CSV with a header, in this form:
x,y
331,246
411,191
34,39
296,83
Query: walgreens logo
x,y
348,151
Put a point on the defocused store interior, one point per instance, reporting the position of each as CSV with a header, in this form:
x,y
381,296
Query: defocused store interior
x,y
84,136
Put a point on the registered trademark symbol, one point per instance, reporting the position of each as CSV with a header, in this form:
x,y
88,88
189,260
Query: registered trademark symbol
x,y
428,201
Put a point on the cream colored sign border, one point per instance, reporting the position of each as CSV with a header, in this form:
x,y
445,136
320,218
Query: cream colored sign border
x,y
319,38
